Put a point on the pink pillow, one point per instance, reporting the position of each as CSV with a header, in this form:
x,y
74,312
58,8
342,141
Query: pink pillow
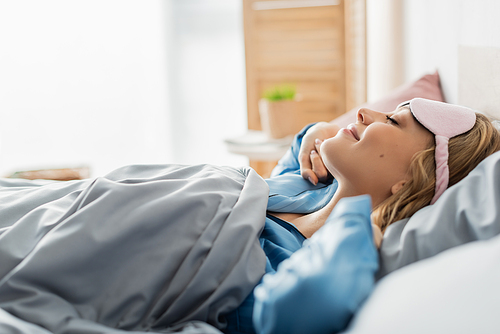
x,y
426,87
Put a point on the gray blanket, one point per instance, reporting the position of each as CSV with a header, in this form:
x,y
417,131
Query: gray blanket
x,y
143,249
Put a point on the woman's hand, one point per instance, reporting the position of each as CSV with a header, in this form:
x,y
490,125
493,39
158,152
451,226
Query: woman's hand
x,y
312,167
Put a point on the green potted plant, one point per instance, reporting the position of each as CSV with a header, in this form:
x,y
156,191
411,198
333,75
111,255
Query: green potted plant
x,y
278,111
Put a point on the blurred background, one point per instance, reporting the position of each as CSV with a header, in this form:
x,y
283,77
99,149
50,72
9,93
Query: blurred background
x,y
106,83
109,83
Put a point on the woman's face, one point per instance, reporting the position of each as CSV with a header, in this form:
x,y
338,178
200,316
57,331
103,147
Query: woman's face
x,y
373,155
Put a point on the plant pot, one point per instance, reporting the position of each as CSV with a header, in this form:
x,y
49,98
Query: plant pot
x,y
279,118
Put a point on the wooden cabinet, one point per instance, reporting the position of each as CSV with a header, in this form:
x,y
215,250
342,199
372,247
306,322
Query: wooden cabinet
x,y
317,45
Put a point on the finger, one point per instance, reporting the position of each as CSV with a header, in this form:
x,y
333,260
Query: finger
x,y
317,144
306,169
309,175
318,167
305,162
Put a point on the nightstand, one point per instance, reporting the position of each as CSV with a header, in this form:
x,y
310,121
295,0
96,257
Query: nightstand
x,y
262,151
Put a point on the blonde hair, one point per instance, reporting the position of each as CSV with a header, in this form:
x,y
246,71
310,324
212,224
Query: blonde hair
x,y
466,151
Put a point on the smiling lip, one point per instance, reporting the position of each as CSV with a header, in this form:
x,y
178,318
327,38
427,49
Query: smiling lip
x,y
353,130
348,132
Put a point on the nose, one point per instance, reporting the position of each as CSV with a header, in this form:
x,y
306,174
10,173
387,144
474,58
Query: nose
x,y
368,116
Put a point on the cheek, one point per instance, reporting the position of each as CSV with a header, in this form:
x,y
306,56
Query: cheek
x,y
382,143
388,157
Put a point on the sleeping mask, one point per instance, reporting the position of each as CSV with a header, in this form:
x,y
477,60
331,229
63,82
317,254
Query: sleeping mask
x,y
445,121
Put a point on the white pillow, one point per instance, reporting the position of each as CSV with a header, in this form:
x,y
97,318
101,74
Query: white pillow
x,y
457,291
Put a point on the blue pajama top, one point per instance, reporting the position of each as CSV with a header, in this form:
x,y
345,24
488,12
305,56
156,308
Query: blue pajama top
x,y
289,192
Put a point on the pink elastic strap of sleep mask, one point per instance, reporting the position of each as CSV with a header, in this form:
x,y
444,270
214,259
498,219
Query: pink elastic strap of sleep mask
x,y
445,121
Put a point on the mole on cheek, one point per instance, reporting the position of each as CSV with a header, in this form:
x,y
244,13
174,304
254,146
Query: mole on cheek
x,y
381,156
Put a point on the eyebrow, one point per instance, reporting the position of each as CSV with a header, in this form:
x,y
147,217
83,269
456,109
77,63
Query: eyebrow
x,y
401,108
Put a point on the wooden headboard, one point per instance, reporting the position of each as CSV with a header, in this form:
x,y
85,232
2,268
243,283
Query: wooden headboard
x,y
318,45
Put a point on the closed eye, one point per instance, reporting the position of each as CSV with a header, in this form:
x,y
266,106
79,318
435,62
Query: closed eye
x,y
392,120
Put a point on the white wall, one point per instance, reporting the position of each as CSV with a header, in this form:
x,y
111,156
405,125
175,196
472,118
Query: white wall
x,y
409,38
385,67
106,83
82,82
208,94
434,30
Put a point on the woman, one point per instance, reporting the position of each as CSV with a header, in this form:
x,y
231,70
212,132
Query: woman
x,y
400,159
